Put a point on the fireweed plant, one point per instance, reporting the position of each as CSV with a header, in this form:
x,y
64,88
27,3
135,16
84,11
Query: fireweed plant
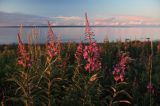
x,y
119,74
88,52
88,66
52,71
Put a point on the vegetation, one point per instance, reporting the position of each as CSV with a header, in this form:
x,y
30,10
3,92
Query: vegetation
x,y
88,73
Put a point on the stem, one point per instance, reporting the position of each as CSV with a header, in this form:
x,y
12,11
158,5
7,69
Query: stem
x,y
49,93
150,73
46,70
26,103
27,87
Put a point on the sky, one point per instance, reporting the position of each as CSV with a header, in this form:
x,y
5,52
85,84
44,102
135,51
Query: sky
x,y
71,12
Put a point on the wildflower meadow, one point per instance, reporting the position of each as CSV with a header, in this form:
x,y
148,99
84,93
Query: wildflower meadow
x,y
86,73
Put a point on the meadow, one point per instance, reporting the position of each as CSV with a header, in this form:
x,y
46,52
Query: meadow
x,y
82,74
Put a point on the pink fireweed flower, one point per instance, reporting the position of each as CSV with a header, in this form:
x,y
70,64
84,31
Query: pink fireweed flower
x,y
50,45
150,87
87,66
119,68
85,55
20,62
24,58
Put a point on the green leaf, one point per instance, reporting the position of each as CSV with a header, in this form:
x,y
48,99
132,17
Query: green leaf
x,y
122,101
123,92
121,83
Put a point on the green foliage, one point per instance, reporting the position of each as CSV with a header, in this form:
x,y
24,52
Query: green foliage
x,y
61,82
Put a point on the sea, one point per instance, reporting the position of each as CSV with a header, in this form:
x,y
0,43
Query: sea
x,y
8,35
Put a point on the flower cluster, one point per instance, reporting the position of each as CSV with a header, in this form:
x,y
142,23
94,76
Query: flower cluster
x,y
91,55
90,52
24,58
150,87
119,69
50,45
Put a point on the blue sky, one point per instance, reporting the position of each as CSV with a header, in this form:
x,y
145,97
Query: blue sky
x,y
100,11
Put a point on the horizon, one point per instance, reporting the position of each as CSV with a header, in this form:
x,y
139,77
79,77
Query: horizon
x,y
125,26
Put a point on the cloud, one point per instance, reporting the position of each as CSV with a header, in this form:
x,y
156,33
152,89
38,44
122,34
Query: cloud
x,y
67,20
72,18
132,18
126,20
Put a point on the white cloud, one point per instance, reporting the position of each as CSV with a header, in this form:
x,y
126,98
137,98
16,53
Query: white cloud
x,y
68,18
125,20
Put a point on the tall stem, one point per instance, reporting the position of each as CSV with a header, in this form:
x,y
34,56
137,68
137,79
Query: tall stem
x,y
49,92
150,73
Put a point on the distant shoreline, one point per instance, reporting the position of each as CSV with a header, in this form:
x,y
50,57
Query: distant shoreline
x,y
65,26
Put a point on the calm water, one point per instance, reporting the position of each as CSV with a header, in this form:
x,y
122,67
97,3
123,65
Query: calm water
x,y
8,35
